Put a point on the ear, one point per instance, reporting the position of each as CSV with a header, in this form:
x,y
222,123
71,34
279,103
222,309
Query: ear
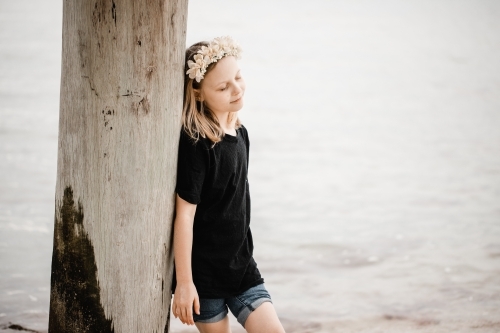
x,y
197,95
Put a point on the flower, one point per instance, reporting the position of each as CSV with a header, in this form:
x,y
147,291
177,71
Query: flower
x,y
197,68
217,49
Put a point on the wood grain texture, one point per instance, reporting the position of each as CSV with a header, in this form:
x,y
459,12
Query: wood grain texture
x,y
120,117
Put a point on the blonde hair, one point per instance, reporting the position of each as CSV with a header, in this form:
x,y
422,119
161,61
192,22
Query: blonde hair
x,y
198,120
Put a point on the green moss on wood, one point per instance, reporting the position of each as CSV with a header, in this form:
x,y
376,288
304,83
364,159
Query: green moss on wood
x,y
75,304
167,324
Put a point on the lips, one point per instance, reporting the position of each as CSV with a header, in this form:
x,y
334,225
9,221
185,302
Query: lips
x,y
237,100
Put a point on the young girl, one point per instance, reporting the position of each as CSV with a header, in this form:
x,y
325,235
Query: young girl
x,y
214,267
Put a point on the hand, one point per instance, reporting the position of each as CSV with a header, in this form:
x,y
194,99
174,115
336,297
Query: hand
x,y
185,297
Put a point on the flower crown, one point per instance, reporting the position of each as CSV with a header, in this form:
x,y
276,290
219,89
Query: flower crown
x,y
217,49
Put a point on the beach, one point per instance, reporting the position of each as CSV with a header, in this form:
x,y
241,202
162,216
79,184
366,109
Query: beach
x,y
374,159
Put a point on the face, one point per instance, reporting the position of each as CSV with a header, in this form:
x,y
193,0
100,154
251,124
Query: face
x,y
223,87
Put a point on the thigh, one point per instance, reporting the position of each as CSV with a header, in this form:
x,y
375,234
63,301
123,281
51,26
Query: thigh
x,y
221,326
247,302
264,320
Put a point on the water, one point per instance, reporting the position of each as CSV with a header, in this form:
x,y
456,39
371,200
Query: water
x,y
375,159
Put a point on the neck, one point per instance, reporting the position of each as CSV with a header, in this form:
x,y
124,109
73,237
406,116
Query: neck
x,y
227,122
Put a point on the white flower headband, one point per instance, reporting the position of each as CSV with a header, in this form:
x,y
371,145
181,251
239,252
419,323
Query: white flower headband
x,y
217,49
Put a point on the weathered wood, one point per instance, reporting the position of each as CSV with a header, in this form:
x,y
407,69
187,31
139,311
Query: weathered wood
x,y
120,116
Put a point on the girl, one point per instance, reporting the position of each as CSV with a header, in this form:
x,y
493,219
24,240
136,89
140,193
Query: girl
x,y
214,267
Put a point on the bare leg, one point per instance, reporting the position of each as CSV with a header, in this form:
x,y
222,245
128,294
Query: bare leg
x,y
264,320
218,327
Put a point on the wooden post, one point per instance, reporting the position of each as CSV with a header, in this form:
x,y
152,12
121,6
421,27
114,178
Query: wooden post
x,y
120,117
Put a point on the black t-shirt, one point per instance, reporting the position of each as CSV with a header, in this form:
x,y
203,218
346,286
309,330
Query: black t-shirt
x,y
215,179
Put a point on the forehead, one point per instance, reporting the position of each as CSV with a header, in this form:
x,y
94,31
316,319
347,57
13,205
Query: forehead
x,y
225,69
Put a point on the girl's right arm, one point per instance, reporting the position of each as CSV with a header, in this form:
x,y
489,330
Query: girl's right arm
x,y
185,295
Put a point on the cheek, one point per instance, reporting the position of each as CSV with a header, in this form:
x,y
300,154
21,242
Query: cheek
x,y
208,97
213,100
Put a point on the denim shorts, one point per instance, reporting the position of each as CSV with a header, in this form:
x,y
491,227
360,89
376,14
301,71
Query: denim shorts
x,y
213,310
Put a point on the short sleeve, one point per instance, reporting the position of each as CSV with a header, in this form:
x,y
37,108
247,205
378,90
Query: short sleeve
x,y
244,133
191,168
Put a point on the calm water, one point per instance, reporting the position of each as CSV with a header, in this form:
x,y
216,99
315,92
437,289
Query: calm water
x,y
375,159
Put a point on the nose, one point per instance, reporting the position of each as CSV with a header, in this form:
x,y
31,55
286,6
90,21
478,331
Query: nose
x,y
237,89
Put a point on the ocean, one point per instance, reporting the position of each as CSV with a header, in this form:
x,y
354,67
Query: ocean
x,y
374,161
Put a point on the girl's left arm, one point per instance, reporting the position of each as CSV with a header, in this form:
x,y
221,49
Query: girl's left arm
x,y
185,295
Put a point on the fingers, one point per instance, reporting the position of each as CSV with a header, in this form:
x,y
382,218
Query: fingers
x,y
178,312
174,307
187,316
184,313
197,305
184,302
